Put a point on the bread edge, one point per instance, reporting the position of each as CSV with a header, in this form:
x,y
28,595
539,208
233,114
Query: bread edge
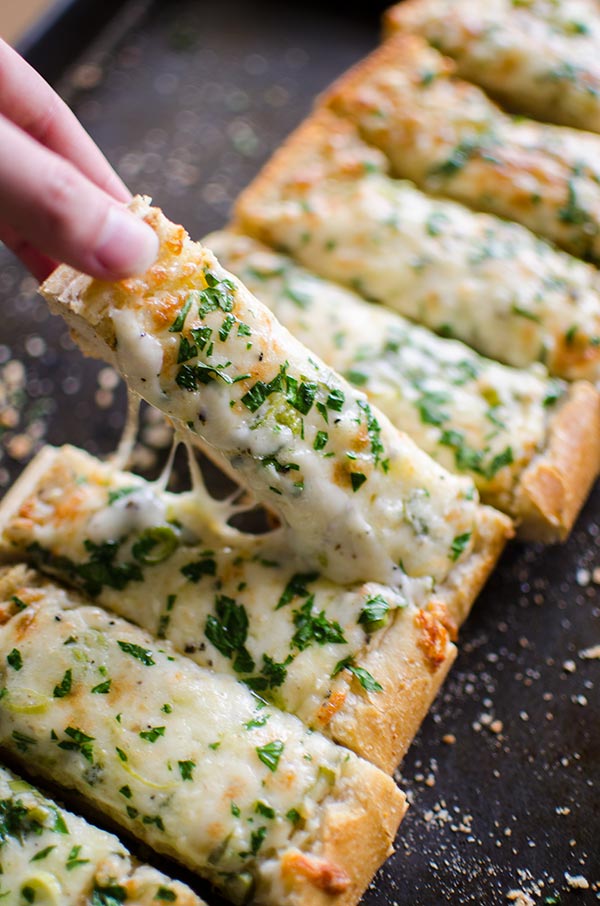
x,y
555,485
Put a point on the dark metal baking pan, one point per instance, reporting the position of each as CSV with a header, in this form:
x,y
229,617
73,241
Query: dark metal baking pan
x,y
188,99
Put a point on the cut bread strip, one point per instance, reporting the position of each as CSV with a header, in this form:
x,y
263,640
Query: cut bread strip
x,y
539,58
191,340
505,427
196,766
360,663
452,140
326,198
55,858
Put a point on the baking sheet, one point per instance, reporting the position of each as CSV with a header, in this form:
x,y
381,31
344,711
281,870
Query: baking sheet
x,y
188,100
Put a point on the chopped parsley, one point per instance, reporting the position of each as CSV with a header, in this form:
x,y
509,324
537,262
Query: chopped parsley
x,y
73,860
14,659
374,613
178,323
314,627
270,754
367,681
186,769
335,400
141,654
194,571
155,545
102,688
258,393
43,853
228,631
152,734
64,687
108,895
459,544
261,808
22,741
357,479
117,494
320,441
296,588
78,742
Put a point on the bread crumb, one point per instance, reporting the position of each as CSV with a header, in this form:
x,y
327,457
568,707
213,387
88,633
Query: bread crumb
x,y
570,666
449,739
590,654
577,882
583,577
520,898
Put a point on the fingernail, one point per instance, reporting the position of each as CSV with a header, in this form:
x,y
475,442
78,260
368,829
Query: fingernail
x,y
127,246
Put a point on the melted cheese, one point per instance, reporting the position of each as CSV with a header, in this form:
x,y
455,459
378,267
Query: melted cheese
x,y
429,387
292,628
187,760
327,199
230,376
51,857
451,140
540,57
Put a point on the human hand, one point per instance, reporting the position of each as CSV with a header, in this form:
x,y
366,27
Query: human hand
x,y
60,200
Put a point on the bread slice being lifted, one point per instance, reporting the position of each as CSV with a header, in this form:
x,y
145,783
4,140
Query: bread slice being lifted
x,y
365,505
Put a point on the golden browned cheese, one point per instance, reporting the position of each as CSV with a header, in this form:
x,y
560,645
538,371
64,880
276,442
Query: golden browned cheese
x,y
452,140
539,57
327,199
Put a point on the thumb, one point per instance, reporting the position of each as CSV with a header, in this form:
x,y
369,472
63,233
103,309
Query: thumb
x,y
53,207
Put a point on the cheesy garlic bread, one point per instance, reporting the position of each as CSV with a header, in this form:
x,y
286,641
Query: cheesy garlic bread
x,y
451,140
539,57
327,199
189,338
512,430
360,663
189,761
51,857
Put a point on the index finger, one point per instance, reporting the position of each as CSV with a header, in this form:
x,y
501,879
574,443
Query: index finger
x,y
30,103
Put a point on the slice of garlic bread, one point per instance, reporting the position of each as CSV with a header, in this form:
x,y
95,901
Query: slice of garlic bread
x,y
193,341
326,197
189,761
508,428
52,857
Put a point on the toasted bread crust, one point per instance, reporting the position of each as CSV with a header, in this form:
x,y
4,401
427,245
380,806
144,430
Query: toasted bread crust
x,y
555,486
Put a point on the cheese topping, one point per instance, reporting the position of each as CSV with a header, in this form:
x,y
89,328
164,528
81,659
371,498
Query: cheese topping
x,y
451,140
51,857
240,606
327,200
197,766
540,57
368,505
470,413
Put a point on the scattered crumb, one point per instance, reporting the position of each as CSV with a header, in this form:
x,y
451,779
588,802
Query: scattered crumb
x,y
583,577
577,882
592,653
570,666
520,898
449,739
